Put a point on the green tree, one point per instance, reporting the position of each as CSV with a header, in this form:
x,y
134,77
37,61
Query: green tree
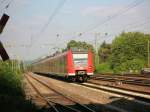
x,y
104,52
129,49
79,44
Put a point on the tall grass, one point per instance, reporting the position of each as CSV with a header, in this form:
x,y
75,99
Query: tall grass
x,y
12,97
103,68
10,80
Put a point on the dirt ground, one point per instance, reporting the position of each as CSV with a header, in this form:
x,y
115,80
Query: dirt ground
x,y
85,95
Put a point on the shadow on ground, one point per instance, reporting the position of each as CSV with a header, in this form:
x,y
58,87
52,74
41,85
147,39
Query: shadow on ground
x,y
129,105
17,104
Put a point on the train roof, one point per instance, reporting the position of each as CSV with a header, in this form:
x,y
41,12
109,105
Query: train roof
x,y
54,56
79,50
57,54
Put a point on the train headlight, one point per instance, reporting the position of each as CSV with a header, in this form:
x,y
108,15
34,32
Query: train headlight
x,y
90,67
81,67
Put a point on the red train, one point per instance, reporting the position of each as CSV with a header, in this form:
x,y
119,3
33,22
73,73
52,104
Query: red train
x,y
75,65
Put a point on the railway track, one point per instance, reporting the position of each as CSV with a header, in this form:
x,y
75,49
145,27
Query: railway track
x,y
141,102
140,97
140,77
57,102
141,81
126,75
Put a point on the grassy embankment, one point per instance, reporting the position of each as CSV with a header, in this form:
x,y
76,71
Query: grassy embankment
x,y
103,68
12,97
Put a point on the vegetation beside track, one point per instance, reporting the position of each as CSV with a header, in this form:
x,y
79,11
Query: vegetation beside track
x,y
103,68
12,96
126,54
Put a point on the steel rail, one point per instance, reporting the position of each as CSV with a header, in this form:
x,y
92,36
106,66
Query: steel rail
x,y
41,96
137,95
124,75
83,107
125,80
53,104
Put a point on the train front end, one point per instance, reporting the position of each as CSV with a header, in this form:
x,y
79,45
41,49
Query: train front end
x,y
80,65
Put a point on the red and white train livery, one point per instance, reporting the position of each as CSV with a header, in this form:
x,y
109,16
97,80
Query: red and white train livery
x,y
72,64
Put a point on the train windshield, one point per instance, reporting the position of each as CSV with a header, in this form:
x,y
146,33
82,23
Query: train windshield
x,y
80,59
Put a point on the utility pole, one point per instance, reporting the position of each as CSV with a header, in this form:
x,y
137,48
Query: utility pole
x,y
96,48
96,42
148,53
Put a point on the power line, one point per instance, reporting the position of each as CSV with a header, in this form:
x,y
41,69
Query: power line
x,y
133,5
127,8
145,28
53,14
6,6
2,1
139,25
120,12
132,24
136,26
51,18
9,4
59,6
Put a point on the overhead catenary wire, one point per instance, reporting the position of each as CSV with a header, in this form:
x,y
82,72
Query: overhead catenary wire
x,y
111,17
135,25
6,6
54,13
138,25
56,10
59,6
119,13
52,17
145,28
2,2
130,6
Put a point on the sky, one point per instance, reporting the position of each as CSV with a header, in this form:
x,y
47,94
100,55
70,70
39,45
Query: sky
x,y
38,28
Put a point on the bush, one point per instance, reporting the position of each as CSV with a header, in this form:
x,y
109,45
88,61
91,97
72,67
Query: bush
x,y
132,47
10,80
12,97
130,66
103,68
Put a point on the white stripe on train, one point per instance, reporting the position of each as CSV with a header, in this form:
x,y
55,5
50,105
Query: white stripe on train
x,y
72,74
90,73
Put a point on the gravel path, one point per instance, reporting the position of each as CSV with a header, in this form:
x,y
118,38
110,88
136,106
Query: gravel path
x,y
121,85
32,95
93,96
